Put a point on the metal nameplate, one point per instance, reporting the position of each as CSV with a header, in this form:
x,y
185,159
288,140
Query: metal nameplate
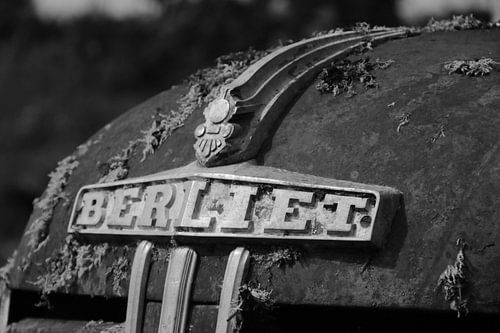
x,y
229,205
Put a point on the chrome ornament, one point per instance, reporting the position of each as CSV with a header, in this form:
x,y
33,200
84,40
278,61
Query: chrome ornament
x,y
239,120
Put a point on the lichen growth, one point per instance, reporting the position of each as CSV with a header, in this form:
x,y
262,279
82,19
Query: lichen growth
x,y
341,76
264,204
93,326
37,232
163,254
362,27
278,257
205,83
7,268
333,31
118,328
454,283
119,273
251,299
116,168
70,263
477,67
457,22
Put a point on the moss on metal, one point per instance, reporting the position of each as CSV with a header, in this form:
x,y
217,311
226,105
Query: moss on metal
x,y
475,67
251,299
162,254
277,257
7,268
205,83
70,263
454,283
118,328
457,22
117,166
342,75
38,231
119,272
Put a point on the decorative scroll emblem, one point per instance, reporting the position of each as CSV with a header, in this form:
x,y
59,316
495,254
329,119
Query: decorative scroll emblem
x,y
233,202
214,133
241,118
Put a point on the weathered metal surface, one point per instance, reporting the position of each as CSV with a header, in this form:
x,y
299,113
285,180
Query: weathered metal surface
x,y
207,280
451,182
239,121
177,290
236,270
233,202
137,287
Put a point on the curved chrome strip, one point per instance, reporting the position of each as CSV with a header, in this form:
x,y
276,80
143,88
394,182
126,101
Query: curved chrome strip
x,y
4,306
236,270
178,282
137,287
241,118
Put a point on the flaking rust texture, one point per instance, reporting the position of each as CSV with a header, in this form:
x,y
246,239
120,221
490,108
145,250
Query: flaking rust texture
x,y
444,159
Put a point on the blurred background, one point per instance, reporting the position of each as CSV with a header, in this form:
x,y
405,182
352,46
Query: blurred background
x,y
68,67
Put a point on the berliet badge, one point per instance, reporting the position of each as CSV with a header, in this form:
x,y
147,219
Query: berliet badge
x,y
241,200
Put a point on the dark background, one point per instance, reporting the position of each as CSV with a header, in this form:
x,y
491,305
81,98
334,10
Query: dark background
x,y
61,79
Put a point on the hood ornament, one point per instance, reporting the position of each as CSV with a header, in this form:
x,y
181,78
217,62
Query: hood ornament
x,y
242,117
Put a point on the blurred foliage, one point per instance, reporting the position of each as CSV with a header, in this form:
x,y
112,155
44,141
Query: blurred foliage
x,y
61,81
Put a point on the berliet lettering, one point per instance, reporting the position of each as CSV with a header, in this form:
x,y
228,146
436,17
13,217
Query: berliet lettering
x,y
225,204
